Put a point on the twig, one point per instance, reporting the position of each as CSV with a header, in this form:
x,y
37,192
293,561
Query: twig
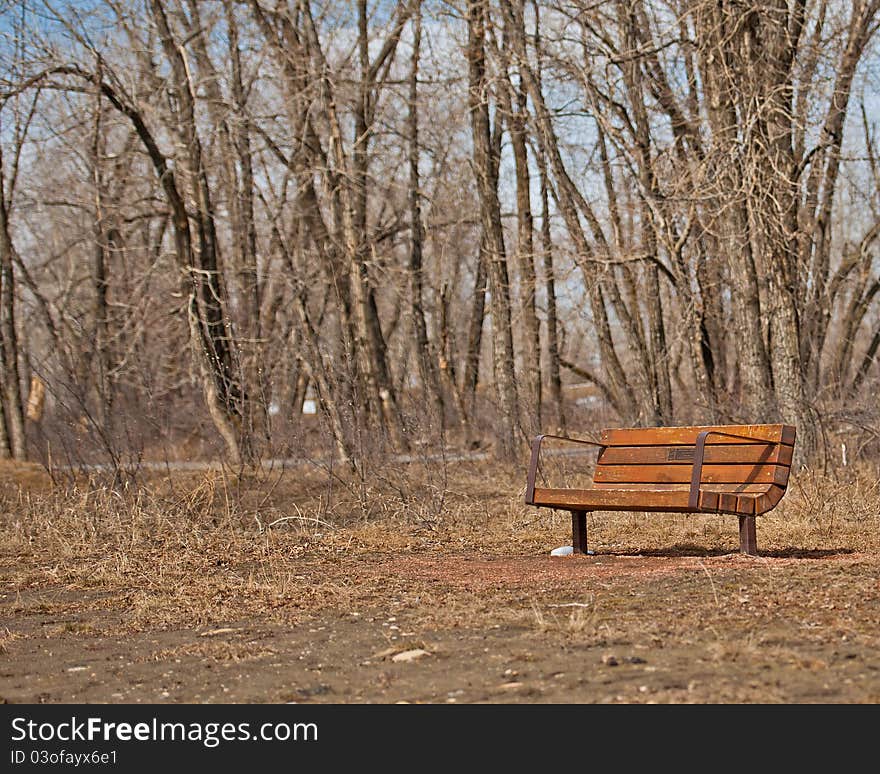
x,y
711,583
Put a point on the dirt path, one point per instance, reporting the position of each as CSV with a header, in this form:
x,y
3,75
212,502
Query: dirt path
x,y
468,629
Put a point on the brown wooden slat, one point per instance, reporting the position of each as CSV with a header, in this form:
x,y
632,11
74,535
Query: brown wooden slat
x,y
782,478
750,504
684,455
659,436
671,501
673,474
619,500
727,502
745,504
770,500
709,500
754,489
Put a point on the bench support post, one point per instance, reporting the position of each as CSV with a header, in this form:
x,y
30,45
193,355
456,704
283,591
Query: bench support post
x,y
579,532
748,542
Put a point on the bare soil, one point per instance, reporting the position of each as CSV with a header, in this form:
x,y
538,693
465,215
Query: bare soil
x,y
295,589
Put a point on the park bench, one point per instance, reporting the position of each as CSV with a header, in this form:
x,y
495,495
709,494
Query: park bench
x,y
736,469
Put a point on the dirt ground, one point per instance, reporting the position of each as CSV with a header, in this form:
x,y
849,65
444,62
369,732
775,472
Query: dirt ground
x,y
281,592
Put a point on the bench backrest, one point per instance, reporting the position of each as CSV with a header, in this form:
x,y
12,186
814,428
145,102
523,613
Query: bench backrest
x,y
663,458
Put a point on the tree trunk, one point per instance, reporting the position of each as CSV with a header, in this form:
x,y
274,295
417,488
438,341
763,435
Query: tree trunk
x,y
514,103
210,295
15,441
426,363
553,363
103,238
471,373
13,412
490,217
572,204
734,230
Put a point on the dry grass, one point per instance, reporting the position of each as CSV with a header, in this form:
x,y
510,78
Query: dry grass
x,y
210,550
7,637
250,532
206,548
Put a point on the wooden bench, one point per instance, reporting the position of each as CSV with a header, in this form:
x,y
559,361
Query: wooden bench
x,y
738,469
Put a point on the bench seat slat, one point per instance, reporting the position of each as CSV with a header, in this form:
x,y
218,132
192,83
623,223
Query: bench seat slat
x,y
673,474
661,436
613,499
684,455
665,500
673,501
769,500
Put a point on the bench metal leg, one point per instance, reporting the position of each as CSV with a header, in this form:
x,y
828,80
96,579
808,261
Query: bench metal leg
x,y
579,532
748,541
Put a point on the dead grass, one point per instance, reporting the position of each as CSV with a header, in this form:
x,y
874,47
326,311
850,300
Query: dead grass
x,y
580,618
205,548
7,637
205,551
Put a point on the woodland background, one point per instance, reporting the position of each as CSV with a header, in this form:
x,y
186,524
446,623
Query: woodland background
x,y
443,225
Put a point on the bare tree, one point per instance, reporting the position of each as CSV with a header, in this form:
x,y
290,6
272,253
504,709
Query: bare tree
x,y
485,169
388,207
12,440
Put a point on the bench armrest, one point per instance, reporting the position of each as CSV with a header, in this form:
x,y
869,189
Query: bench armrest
x,y
536,452
699,454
